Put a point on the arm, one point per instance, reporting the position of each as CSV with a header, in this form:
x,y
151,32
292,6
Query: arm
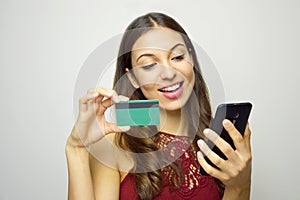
x,y
235,172
106,180
89,179
80,180
90,127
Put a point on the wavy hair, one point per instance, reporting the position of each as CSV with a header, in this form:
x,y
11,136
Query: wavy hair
x,y
149,184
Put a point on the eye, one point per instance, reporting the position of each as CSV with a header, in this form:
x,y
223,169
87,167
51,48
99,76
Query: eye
x,y
148,67
178,58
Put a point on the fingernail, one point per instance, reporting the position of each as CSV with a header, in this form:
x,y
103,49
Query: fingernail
x,y
200,155
123,98
206,132
96,94
226,122
115,98
124,128
200,143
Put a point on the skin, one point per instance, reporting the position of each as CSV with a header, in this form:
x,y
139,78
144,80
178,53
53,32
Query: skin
x,y
235,172
84,181
166,57
159,59
90,179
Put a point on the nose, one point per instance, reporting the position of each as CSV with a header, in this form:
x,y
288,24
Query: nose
x,y
167,72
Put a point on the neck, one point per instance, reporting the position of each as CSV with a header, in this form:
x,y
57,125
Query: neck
x,y
172,122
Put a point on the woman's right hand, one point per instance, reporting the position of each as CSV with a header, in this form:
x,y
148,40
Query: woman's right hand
x,y
91,124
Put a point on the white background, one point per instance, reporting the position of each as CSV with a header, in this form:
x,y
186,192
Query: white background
x,y
43,44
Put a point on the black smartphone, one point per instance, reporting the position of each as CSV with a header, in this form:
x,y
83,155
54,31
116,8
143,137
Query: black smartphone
x,y
238,114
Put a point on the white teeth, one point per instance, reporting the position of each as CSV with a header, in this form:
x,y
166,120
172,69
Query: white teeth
x,y
171,88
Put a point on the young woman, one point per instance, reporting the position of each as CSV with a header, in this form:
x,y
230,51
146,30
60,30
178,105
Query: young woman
x,y
156,61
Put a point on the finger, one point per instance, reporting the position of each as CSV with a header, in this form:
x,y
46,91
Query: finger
x,y
109,102
99,99
235,135
115,97
118,99
102,91
114,128
207,167
247,137
213,157
234,157
123,98
94,103
226,148
83,102
88,97
100,106
108,93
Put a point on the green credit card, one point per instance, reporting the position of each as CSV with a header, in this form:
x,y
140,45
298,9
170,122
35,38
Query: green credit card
x,y
138,113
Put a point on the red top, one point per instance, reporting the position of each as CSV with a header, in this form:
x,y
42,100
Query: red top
x,y
194,186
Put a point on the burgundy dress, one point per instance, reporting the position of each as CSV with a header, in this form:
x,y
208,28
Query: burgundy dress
x,y
194,186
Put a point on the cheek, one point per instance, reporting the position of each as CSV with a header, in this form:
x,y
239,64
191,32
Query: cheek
x,y
147,78
148,89
188,73
190,79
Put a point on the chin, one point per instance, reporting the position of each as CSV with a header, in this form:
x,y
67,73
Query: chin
x,y
172,106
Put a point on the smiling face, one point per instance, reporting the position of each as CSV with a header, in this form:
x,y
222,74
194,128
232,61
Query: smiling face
x,y
163,67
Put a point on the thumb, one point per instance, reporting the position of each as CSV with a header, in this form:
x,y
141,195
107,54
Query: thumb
x,y
124,128
114,128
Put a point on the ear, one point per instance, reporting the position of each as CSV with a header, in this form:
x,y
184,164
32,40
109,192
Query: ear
x,y
132,79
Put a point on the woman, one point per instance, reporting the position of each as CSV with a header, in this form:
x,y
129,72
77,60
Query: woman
x,y
158,61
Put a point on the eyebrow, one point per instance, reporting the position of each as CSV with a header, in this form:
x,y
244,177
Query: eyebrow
x,y
151,55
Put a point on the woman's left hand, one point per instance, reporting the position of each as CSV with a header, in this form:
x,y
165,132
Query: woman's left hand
x,y
235,172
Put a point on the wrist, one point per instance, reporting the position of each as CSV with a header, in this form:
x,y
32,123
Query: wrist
x,y
74,144
74,140
240,188
76,153
237,192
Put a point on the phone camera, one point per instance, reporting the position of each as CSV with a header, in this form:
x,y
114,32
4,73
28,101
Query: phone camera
x,y
236,115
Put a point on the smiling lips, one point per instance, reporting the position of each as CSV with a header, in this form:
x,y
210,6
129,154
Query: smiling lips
x,y
172,91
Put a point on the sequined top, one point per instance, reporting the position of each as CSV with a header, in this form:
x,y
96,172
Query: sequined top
x,y
193,185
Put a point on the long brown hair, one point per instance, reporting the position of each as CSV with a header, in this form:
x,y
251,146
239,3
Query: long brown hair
x,y
148,184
